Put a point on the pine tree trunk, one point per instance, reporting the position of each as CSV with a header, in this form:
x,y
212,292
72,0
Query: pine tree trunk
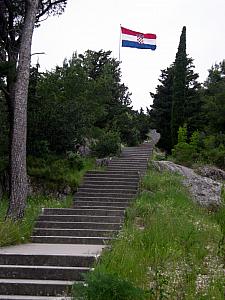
x,y
18,172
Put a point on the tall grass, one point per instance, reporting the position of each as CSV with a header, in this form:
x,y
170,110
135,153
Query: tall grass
x,y
12,233
168,246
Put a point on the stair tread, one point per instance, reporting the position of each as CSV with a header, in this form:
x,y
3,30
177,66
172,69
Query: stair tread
x,y
27,297
43,267
77,209
37,281
71,237
73,229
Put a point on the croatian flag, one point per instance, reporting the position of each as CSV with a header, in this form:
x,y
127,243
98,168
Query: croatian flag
x,y
139,40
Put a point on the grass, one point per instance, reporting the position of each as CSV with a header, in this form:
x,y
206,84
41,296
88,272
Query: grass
x,y
12,233
169,246
55,172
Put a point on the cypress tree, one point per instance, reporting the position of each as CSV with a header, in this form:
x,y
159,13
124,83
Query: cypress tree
x,y
177,99
160,113
179,88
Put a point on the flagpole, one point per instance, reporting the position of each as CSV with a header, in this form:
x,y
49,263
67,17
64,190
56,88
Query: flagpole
x,y
120,43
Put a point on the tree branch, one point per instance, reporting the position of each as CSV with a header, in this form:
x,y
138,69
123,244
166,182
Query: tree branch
x,y
50,5
36,53
9,7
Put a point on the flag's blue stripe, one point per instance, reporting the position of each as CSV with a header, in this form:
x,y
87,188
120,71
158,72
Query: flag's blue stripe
x,y
137,45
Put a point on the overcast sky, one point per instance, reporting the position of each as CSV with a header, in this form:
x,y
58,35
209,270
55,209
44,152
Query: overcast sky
x,y
95,25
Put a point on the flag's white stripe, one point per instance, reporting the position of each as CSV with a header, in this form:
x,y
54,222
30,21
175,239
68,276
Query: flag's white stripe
x,y
133,38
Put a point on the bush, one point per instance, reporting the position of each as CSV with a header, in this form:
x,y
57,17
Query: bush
x,y
75,161
215,156
130,136
108,144
106,286
184,152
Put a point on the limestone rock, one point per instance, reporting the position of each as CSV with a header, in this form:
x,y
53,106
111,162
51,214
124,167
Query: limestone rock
x,y
211,172
206,191
154,136
102,162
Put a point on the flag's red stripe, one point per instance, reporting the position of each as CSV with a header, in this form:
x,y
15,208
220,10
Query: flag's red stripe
x,y
135,33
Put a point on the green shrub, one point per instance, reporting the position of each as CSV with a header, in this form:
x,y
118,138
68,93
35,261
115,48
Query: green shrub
x,y
106,286
195,140
108,144
130,136
75,161
215,156
184,152
182,134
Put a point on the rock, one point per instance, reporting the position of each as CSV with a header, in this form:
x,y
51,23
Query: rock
x,y
211,172
206,191
154,136
84,150
67,190
101,162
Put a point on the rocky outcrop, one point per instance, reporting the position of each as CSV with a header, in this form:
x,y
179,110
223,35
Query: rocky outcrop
x,y
211,172
206,191
154,136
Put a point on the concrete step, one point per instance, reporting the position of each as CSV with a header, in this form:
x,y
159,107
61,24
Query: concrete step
x,y
142,146
73,232
126,167
110,180
80,218
19,297
79,211
71,240
139,155
128,162
107,192
35,287
136,150
107,186
89,197
122,166
117,174
42,272
79,225
47,260
93,205
137,169
125,159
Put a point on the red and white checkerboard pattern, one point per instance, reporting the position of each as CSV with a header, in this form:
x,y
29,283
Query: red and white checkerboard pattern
x,y
140,38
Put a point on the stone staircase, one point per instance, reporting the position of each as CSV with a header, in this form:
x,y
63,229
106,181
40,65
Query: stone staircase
x,y
66,242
